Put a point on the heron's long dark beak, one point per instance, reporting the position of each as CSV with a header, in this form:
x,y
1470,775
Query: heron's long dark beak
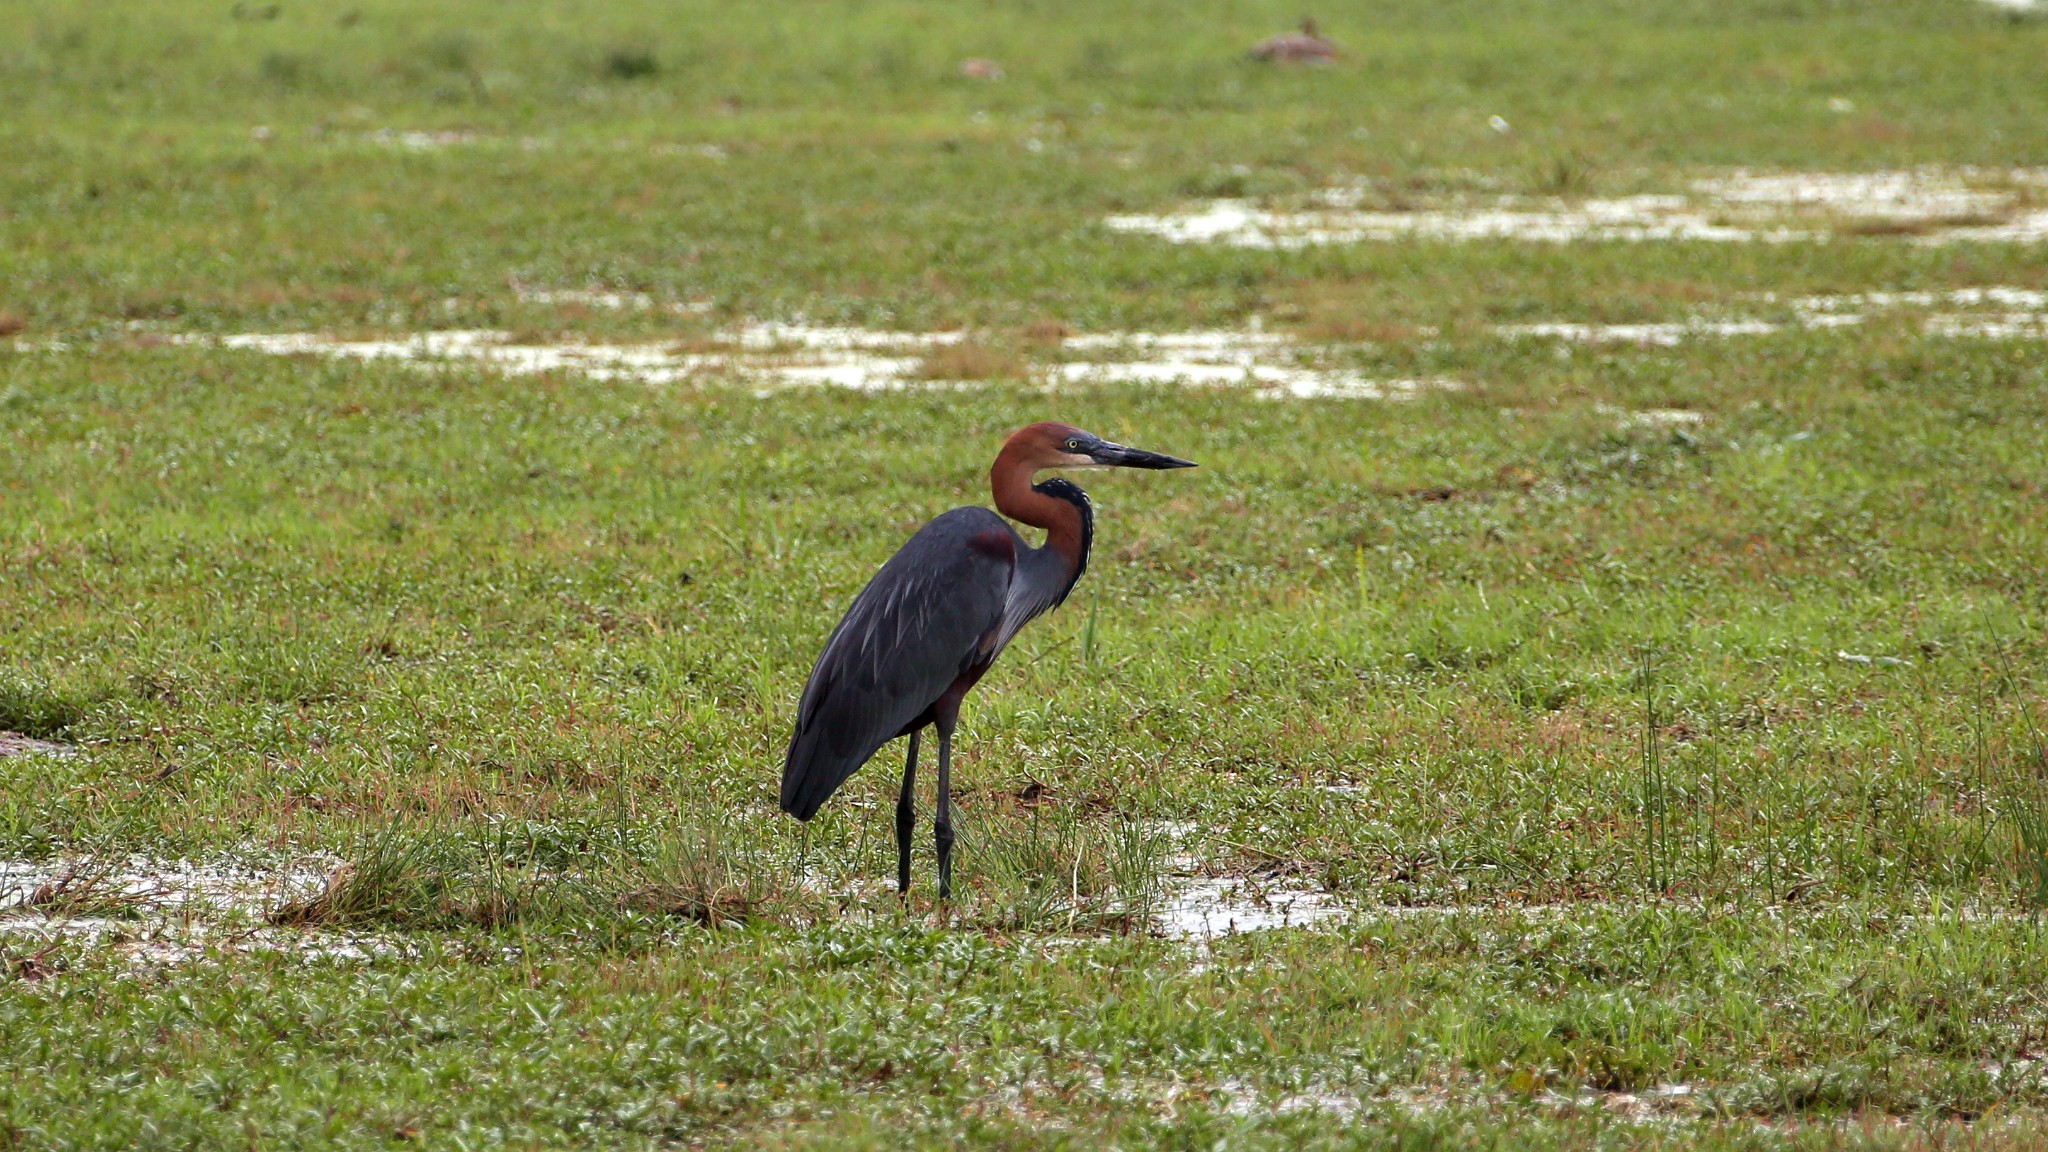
x,y
1118,456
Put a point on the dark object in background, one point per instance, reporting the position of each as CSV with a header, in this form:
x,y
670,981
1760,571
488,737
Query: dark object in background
x,y
1304,47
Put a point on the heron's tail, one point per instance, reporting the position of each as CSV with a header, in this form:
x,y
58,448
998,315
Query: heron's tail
x,y
811,775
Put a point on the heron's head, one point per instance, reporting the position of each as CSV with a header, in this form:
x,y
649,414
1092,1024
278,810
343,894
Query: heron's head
x,y
1056,445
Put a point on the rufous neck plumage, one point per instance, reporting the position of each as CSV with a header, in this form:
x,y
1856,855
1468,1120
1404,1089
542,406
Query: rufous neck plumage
x,y
1027,452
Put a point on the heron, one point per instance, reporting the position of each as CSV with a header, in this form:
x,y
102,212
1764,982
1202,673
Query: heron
x,y
935,616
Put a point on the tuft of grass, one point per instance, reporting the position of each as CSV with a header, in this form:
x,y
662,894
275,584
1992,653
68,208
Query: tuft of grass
x,y
393,876
2026,789
1043,337
1136,851
31,966
1569,175
287,70
519,873
699,875
283,668
2030,828
32,706
1059,865
458,52
631,62
1652,787
423,877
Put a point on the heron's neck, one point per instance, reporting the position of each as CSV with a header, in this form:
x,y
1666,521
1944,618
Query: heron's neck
x,y
1058,506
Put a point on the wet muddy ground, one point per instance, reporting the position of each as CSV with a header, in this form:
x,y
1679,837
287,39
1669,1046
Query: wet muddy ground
x,y
1264,364
14,744
1922,205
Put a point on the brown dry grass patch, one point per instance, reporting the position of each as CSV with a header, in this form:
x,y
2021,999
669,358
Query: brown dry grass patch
x,y
1351,329
970,360
1044,335
1894,226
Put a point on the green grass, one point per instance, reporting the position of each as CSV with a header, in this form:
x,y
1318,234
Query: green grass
x,y
1556,703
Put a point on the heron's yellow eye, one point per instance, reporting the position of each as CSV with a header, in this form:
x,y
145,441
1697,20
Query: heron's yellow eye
x,y
1073,445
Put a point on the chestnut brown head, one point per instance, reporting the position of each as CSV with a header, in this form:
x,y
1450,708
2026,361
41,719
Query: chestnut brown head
x,y
1055,445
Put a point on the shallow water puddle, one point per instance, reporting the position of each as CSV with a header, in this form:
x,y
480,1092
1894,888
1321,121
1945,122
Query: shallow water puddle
x,y
1996,313
1661,1105
2011,326
1649,335
1207,907
420,141
140,885
2011,299
183,941
1911,194
783,354
1654,417
1240,224
1267,381
606,299
1930,205
814,338
1269,365
155,911
16,744
495,349
1242,1099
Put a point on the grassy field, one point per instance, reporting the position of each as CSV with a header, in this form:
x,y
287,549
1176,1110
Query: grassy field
x,y
1681,781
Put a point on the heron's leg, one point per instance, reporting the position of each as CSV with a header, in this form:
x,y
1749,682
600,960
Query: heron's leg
x,y
906,817
942,824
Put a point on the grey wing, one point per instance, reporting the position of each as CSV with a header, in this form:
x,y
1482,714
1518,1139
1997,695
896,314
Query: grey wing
x,y
925,618
1040,584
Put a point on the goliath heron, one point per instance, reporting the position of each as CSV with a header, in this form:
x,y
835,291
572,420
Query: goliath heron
x,y
936,616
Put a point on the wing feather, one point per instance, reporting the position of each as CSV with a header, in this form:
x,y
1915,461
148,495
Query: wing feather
x,y
918,625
